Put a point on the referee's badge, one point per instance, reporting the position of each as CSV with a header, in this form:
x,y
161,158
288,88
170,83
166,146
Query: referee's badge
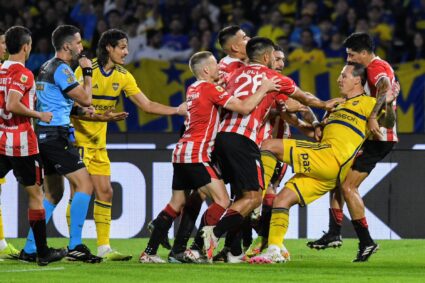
x,y
115,86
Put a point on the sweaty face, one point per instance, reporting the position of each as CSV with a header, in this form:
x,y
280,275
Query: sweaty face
x,y
118,53
346,81
279,61
2,46
240,40
75,46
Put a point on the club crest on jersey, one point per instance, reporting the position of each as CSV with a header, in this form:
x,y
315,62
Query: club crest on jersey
x,y
219,88
355,102
24,78
115,86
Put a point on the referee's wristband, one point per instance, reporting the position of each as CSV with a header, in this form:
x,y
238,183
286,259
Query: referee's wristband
x,y
87,72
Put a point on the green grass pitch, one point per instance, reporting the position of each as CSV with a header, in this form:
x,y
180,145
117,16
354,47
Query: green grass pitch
x,y
396,261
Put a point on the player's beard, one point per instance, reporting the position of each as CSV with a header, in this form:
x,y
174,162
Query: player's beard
x,y
75,55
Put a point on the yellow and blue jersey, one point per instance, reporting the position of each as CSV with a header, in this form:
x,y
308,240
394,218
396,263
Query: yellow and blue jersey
x,y
106,89
346,126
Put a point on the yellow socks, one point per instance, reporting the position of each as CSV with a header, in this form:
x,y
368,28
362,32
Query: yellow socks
x,y
278,226
68,215
269,163
102,217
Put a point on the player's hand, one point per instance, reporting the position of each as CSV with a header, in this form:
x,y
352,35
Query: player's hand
x,y
269,84
293,106
182,109
373,127
46,117
395,91
88,110
318,133
110,116
332,103
84,62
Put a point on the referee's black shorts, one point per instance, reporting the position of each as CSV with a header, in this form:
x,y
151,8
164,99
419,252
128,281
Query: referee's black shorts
x,y
239,161
371,153
58,154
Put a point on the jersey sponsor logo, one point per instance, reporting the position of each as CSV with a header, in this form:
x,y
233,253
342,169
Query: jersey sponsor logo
x,y
103,107
345,117
115,86
305,159
23,78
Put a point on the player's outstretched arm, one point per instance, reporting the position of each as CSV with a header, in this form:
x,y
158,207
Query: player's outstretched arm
x,y
245,106
14,105
294,121
309,99
148,106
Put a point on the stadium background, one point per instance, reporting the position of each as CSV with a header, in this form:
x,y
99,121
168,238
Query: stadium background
x,y
172,30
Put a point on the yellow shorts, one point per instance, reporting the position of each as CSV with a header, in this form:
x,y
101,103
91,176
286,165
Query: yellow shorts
x,y
316,168
2,181
96,160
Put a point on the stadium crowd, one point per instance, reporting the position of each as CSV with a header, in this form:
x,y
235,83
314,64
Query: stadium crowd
x,y
173,30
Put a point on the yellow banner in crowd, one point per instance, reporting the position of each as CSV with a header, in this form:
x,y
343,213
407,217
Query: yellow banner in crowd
x,y
165,82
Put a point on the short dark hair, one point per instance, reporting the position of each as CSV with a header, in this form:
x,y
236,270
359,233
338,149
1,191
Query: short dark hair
x,y
358,71
278,48
109,37
359,41
197,59
226,33
257,46
16,37
63,34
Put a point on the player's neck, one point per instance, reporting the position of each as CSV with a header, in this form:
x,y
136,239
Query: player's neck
x,y
370,58
108,66
64,56
355,93
17,58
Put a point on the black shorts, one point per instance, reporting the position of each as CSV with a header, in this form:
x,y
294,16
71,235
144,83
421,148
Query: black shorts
x,y
27,169
239,161
192,176
371,153
57,152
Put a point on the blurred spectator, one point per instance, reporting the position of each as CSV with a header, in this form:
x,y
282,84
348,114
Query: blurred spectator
x,y
288,9
101,27
335,52
39,55
273,29
206,8
284,43
83,14
148,18
175,39
326,31
416,17
307,53
154,50
416,51
136,41
114,19
238,18
349,25
306,22
339,16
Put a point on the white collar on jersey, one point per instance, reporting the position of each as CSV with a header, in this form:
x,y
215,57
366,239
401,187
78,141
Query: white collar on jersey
x,y
8,63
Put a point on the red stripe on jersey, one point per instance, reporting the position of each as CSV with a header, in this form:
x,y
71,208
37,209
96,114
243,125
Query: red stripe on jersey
x,y
242,84
376,70
17,134
203,102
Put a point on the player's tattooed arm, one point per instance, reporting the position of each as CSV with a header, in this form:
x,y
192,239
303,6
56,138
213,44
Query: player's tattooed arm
x,y
383,86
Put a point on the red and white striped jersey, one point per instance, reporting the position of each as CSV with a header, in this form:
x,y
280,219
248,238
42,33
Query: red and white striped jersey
x,y
376,70
17,137
275,127
203,102
243,83
227,66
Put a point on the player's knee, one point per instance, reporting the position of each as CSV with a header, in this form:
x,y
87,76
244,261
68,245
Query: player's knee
x,y
223,202
255,200
105,194
347,189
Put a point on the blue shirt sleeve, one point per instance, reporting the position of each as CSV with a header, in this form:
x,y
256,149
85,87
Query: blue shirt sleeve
x,y
65,78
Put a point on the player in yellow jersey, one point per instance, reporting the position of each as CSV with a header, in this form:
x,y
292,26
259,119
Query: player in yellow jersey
x,y
319,166
110,79
7,250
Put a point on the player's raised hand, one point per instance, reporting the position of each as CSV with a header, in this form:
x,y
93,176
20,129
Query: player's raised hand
x,y
269,84
88,110
84,62
293,106
46,117
332,103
